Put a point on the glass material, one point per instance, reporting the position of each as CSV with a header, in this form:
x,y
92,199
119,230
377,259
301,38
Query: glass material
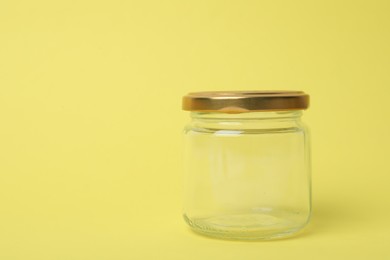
x,y
247,174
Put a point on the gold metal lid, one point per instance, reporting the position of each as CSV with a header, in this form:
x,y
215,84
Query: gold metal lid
x,y
245,101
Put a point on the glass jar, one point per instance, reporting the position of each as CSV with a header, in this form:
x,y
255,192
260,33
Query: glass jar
x,y
247,161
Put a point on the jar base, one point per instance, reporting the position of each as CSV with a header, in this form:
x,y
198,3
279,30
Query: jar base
x,y
252,226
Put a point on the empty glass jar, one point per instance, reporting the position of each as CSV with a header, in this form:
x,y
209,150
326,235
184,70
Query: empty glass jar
x,y
247,162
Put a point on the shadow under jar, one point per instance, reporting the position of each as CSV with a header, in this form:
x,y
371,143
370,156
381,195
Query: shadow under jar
x,y
247,163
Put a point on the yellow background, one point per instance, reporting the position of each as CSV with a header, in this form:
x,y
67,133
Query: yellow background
x,y
90,121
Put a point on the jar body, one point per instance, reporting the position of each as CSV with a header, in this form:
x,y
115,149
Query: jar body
x,y
247,175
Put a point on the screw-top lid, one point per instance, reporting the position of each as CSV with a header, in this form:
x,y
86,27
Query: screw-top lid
x,y
245,101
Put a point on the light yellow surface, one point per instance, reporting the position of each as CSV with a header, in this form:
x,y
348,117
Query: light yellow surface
x,y
90,121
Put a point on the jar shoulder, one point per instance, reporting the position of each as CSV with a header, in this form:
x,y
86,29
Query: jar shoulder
x,y
294,126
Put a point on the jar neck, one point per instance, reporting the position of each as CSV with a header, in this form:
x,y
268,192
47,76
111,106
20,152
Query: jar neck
x,y
266,115
251,120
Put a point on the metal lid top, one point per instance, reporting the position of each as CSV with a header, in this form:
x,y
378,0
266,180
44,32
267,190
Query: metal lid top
x,y
245,101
